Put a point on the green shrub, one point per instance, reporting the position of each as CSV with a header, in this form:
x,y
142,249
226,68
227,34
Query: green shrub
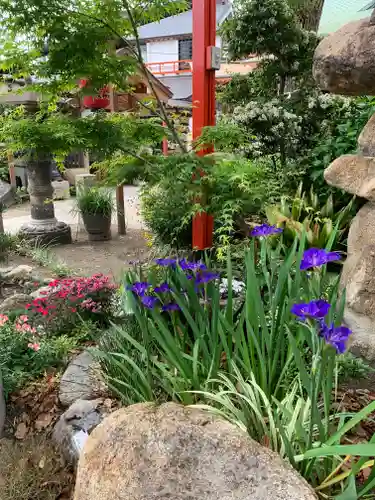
x,y
166,214
8,242
231,189
25,352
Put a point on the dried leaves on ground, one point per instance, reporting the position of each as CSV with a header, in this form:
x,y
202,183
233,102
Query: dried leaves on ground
x,y
33,470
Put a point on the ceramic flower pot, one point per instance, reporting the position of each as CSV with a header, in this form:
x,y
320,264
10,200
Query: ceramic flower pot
x,y
98,226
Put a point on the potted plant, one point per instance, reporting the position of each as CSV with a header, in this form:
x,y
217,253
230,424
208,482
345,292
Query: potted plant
x,y
96,206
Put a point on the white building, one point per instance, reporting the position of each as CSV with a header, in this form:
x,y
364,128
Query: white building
x,y
167,49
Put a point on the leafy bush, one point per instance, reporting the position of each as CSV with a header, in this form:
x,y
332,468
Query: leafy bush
x,y
341,121
95,201
231,189
166,213
8,242
26,352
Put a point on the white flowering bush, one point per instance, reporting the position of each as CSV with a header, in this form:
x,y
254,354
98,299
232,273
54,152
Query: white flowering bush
x,y
275,127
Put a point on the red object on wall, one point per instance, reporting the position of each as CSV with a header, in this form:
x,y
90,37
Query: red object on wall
x,y
204,36
101,101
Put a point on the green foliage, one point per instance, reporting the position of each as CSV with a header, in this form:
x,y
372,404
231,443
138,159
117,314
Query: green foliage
x,y
303,214
183,351
95,201
244,88
232,188
19,363
166,213
77,36
341,122
270,27
251,361
8,242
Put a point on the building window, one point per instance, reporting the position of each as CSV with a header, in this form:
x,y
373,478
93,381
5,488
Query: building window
x,y
144,52
185,53
185,50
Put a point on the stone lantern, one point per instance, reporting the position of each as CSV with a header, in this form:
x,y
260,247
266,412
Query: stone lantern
x,y
43,226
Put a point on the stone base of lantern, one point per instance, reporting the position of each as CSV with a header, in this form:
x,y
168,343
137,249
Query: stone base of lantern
x,y
45,232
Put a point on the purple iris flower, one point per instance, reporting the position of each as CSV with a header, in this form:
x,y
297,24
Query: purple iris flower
x,y
139,288
149,302
315,257
163,288
316,309
336,336
166,262
265,230
206,277
172,306
191,266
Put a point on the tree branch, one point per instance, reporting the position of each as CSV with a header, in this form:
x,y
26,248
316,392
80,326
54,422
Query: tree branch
x,y
139,58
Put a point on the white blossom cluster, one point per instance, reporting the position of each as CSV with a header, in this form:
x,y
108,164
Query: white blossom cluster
x,y
270,122
237,287
326,101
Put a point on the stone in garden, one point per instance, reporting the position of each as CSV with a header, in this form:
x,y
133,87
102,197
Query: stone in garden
x,y
171,452
42,292
354,174
362,230
366,140
81,417
344,61
358,278
362,341
81,380
19,273
15,303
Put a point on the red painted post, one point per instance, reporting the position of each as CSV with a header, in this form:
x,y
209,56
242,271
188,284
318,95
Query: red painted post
x,y
204,36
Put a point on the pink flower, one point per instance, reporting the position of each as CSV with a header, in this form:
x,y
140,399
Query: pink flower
x,y
24,318
3,319
35,347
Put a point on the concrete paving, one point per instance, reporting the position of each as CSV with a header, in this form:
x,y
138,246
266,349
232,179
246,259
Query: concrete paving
x,y
18,215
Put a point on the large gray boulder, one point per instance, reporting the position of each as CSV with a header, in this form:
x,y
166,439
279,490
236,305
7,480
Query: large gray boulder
x,y
171,452
354,174
366,140
359,281
362,342
344,61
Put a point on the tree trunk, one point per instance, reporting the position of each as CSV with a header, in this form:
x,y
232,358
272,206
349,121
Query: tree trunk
x,y
310,15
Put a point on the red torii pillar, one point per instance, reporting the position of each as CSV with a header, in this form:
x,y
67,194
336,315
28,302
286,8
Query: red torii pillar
x,y
204,38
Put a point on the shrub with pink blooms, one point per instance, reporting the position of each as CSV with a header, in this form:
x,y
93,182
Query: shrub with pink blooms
x,y
69,300
27,352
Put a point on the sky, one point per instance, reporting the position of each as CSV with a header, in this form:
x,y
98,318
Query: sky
x,y
336,13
